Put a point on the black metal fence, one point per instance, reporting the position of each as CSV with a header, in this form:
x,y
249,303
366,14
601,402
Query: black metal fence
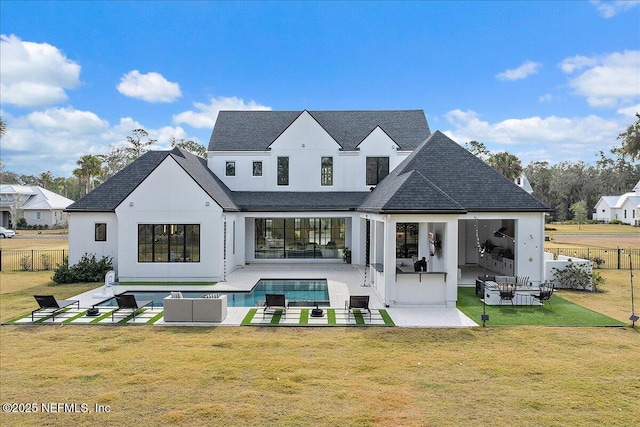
x,y
31,259
612,259
48,259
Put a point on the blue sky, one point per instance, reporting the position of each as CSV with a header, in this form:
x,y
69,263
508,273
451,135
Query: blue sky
x,y
554,81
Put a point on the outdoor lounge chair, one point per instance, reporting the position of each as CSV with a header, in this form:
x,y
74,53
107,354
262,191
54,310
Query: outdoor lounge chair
x,y
49,305
129,302
359,302
275,302
546,291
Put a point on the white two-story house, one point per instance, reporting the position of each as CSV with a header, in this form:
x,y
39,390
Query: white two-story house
x,y
307,187
624,208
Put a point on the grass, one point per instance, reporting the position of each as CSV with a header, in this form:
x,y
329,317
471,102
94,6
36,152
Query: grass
x,y
566,228
326,376
524,375
559,313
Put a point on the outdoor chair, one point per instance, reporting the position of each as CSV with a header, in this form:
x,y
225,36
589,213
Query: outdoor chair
x,y
129,302
507,292
546,291
49,305
275,302
359,302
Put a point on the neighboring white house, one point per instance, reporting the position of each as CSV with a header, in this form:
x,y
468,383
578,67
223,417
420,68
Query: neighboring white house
x,y
625,208
37,205
308,187
523,182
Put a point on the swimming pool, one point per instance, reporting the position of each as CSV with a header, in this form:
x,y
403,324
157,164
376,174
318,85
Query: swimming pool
x,y
299,293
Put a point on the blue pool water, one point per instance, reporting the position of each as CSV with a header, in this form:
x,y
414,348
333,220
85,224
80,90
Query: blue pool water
x,y
299,292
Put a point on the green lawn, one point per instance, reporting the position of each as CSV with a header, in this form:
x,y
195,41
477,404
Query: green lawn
x,y
559,313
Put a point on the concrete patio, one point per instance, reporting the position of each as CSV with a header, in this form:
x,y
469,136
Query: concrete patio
x,y
343,280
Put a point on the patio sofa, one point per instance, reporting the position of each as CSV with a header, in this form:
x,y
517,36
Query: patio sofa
x,y
510,280
178,309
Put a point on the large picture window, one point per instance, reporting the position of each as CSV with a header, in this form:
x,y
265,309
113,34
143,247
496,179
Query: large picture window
x,y
377,169
299,237
168,243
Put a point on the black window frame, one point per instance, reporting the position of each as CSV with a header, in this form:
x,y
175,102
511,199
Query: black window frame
x,y
283,171
377,168
100,232
326,171
259,169
230,168
159,243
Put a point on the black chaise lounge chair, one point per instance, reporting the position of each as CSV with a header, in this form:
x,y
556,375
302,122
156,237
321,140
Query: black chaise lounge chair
x,y
360,302
273,303
50,306
129,302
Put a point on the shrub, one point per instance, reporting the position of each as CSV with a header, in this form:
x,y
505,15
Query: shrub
x,y
616,221
597,261
574,276
25,263
46,261
596,281
63,274
21,224
88,269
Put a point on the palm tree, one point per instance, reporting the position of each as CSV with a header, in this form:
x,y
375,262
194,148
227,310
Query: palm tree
x,y
3,127
507,164
45,180
90,167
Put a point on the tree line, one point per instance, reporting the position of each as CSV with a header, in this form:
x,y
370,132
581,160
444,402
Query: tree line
x,y
568,188
94,169
572,189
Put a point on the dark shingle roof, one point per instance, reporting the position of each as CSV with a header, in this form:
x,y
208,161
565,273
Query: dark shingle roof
x,y
288,201
256,130
108,196
409,192
441,176
197,168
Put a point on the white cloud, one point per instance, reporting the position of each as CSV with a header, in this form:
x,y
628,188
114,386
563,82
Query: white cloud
x,y
551,138
630,111
609,9
55,138
547,97
206,114
34,74
150,87
522,72
608,80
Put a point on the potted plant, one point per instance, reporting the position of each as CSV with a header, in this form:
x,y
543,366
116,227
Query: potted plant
x,y
347,255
